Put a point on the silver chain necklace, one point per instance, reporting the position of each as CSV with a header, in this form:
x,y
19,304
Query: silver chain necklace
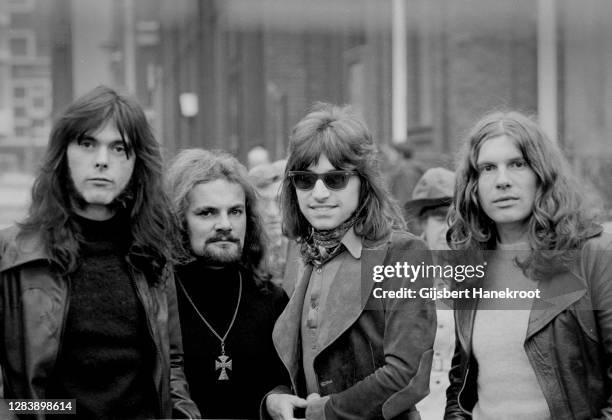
x,y
224,362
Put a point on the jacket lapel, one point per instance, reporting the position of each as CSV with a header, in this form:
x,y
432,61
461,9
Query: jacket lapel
x,y
465,313
348,295
286,333
556,295
22,251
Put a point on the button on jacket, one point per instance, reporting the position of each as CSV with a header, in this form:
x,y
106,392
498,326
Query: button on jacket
x,y
373,357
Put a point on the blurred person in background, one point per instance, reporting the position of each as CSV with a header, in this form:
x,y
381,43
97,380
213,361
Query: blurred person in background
x,y
345,361
227,304
516,197
389,157
431,199
405,173
267,178
88,301
257,155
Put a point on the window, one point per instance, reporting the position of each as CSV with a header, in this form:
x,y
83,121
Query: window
x,y
32,107
39,106
21,6
20,111
19,47
21,131
38,102
19,92
22,43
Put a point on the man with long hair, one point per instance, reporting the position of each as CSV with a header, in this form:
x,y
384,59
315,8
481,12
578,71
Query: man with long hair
x,y
87,298
349,355
549,356
227,303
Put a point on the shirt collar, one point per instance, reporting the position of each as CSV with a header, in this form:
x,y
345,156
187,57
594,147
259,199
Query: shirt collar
x,y
353,243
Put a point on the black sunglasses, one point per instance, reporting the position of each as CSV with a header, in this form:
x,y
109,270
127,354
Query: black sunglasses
x,y
334,180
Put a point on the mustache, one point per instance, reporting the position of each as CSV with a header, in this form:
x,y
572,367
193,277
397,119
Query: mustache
x,y
221,237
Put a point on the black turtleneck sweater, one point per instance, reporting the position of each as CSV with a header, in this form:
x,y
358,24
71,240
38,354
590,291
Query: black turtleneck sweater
x,y
106,355
256,367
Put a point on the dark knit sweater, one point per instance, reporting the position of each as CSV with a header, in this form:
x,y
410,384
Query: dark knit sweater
x,y
106,354
256,368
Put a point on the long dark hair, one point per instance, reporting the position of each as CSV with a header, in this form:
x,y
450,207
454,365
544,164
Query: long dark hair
x,y
339,134
560,220
191,167
144,203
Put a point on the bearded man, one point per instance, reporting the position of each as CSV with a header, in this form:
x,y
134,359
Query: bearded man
x,y
227,303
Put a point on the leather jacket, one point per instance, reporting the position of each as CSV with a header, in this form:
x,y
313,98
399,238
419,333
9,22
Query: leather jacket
x,y
374,359
568,341
33,307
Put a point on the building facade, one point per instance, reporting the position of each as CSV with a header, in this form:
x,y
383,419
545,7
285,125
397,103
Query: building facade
x,y
25,82
234,74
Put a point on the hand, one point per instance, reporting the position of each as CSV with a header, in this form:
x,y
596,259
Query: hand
x,y
312,396
281,406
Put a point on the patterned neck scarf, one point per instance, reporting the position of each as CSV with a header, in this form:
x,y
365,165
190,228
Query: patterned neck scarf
x,y
323,245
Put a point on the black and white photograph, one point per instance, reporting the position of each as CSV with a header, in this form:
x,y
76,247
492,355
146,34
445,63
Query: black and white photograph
x,y
306,209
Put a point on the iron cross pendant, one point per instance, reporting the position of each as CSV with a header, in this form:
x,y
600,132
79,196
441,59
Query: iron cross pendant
x,y
223,363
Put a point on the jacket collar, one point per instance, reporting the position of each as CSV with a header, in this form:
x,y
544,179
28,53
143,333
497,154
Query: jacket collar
x,y
559,293
16,251
345,295
353,243
556,295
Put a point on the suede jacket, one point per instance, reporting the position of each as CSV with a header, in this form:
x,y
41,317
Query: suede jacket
x,y
568,341
34,302
373,358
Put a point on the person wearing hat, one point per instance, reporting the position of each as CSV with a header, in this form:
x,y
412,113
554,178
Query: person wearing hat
x,y
430,202
431,198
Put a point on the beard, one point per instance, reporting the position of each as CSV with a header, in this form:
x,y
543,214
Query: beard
x,y
214,255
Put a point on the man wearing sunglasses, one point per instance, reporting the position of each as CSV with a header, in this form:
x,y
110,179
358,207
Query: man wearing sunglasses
x,y
345,361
